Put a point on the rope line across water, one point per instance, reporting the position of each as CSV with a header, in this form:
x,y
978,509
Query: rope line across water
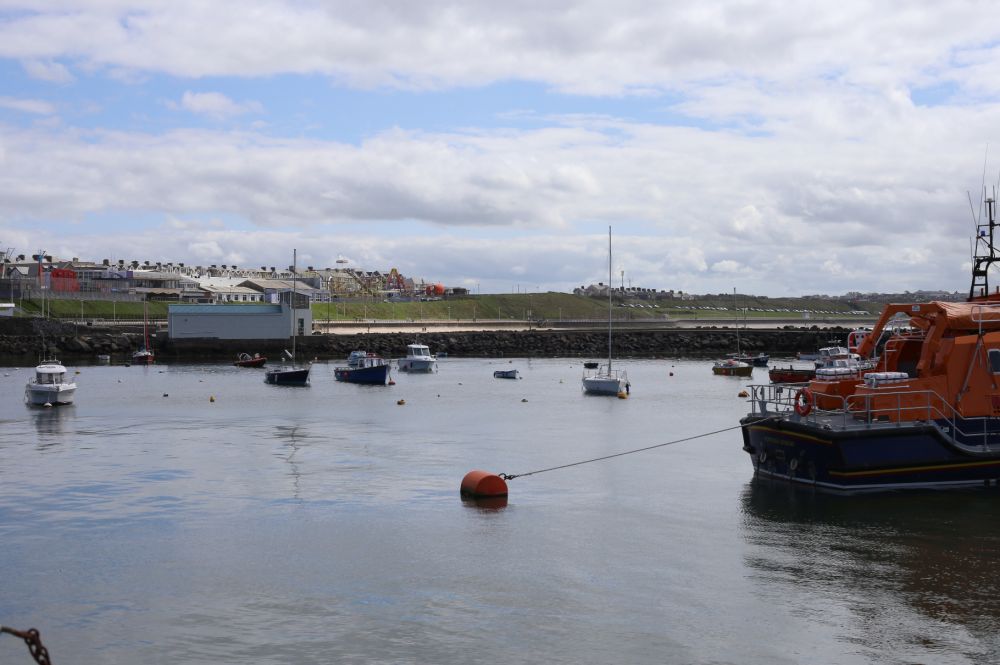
x,y
512,476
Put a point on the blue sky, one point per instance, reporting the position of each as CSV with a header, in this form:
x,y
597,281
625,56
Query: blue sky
x,y
781,149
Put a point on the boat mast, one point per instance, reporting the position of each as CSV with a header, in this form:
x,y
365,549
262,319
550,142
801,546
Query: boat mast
x,y
737,315
145,323
295,322
609,300
986,253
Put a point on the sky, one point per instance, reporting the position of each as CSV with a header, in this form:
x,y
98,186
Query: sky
x,y
778,148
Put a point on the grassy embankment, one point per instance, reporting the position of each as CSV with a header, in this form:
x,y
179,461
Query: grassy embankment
x,y
550,306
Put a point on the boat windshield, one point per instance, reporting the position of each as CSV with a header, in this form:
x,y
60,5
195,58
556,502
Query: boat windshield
x,y
48,377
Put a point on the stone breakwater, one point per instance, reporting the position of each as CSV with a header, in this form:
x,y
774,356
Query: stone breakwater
x,y
24,339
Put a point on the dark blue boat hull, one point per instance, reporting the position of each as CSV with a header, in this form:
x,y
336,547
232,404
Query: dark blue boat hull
x,y
368,375
287,377
915,455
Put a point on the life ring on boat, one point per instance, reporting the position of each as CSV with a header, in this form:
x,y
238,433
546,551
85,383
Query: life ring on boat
x,y
803,402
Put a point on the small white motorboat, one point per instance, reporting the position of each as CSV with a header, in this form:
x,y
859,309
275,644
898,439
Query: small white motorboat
x,y
418,359
50,386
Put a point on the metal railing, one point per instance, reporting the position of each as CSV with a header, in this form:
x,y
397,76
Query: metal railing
x,y
896,408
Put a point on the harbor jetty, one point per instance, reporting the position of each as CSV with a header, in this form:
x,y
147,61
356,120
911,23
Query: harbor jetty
x,y
25,339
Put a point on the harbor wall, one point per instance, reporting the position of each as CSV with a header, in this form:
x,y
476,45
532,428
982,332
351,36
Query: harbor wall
x,y
24,340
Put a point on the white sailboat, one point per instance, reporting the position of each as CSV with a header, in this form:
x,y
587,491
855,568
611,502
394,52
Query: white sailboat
x,y
144,355
605,380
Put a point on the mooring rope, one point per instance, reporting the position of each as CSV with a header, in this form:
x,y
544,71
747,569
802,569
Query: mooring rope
x,y
511,476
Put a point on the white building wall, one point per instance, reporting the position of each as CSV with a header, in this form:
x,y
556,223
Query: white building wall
x,y
234,321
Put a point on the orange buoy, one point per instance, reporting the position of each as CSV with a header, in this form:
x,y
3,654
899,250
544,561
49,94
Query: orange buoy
x,y
483,484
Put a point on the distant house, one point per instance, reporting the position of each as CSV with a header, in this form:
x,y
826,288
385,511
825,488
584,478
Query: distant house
x,y
273,288
219,295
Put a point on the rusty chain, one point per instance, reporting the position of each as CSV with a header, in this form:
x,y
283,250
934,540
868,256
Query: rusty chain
x,y
34,642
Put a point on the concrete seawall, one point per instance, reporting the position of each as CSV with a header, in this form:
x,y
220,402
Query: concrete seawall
x,y
24,340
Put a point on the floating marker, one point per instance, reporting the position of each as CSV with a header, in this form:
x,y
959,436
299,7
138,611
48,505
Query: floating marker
x,y
479,484
211,398
403,401
671,374
166,395
743,393
623,395
524,399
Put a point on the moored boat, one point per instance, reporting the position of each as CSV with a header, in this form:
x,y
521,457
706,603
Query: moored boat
x,y
246,360
144,355
927,414
734,364
371,370
603,379
791,374
731,367
295,376
505,374
50,386
418,359
607,381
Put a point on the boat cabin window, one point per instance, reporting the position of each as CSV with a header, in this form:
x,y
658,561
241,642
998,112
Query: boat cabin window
x,y
994,355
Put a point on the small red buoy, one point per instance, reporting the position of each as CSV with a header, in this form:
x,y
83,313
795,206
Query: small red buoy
x,y
483,484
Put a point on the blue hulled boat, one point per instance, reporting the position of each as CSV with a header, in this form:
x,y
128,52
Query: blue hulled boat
x,y
926,413
371,369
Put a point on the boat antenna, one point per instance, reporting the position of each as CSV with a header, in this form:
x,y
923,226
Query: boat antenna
x,y
986,155
972,209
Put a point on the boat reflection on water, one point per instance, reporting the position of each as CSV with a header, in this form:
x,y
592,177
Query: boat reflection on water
x,y
916,571
52,422
485,504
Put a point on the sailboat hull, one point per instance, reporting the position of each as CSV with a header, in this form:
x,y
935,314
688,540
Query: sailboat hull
x,y
596,385
287,377
723,370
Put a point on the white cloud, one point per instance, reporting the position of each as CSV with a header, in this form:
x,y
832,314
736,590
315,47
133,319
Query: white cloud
x,y
34,106
680,199
727,266
797,160
215,105
589,47
54,72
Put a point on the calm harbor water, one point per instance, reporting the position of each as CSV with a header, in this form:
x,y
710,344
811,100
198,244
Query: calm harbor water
x,y
148,523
